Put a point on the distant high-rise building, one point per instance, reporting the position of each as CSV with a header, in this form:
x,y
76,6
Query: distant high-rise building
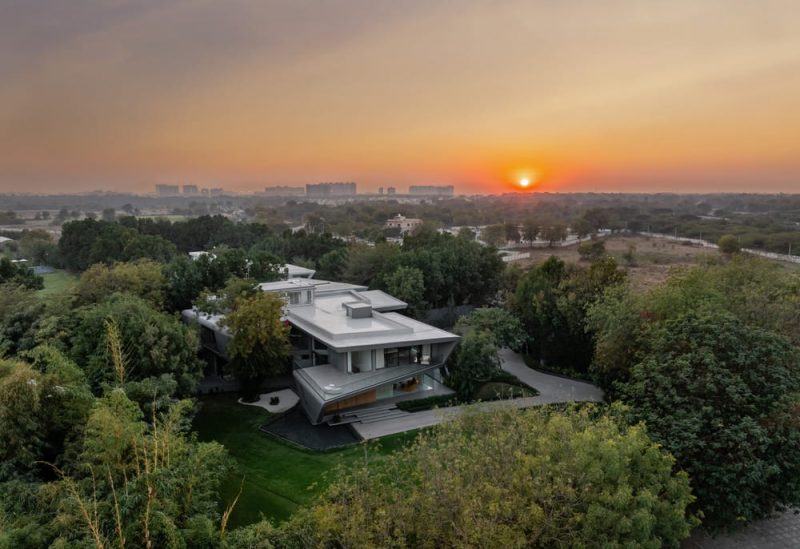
x,y
167,190
284,191
330,190
431,190
216,191
190,189
380,190
391,190
204,191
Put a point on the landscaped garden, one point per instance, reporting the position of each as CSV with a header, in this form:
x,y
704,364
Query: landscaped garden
x,y
275,478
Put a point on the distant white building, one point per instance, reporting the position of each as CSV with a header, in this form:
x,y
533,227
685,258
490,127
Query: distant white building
x,y
405,224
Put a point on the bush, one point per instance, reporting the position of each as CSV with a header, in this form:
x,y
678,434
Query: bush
x,y
508,478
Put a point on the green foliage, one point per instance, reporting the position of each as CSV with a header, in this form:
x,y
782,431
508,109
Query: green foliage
x,y
755,291
42,409
154,343
365,263
552,301
729,244
592,249
722,397
19,273
84,243
142,278
494,235
224,300
407,284
504,327
259,345
508,479
38,247
472,364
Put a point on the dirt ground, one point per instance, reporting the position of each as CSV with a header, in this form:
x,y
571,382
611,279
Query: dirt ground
x,y
652,258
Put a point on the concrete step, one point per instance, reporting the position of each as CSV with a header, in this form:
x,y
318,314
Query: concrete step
x,y
354,411
389,415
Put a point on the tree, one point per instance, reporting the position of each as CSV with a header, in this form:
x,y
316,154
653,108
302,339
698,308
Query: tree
x,y
553,233
38,247
592,249
332,264
505,328
552,301
729,244
511,232
494,235
109,214
407,284
530,229
508,478
19,273
43,406
259,345
142,278
154,343
473,363
722,397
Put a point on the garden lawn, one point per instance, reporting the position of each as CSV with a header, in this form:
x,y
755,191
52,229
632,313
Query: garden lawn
x,y
277,478
57,282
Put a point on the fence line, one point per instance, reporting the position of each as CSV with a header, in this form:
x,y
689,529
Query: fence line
x,y
706,244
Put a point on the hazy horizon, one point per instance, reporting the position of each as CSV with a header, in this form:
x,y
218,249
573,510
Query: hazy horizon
x,y
619,96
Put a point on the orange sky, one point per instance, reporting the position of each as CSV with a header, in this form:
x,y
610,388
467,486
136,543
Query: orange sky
x,y
699,95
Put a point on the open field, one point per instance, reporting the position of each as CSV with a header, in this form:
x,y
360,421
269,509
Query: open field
x,y
653,258
57,282
277,478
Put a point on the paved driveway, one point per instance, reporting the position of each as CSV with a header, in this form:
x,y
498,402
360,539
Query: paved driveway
x,y
551,389
781,532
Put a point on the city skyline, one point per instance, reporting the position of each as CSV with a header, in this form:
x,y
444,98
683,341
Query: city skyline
x,y
570,97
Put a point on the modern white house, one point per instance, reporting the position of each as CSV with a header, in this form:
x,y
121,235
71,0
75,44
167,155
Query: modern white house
x,y
350,346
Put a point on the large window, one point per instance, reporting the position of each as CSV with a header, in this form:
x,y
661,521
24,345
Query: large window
x,y
402,356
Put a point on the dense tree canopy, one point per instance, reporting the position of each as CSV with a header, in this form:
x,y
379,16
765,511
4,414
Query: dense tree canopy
x,y
142,278
508,479
154,343
722,397
84,243
552,301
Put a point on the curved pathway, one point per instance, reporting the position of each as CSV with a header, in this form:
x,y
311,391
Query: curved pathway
x,y
552,389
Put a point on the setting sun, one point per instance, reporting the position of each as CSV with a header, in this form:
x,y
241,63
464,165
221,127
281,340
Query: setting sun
x,y
524,182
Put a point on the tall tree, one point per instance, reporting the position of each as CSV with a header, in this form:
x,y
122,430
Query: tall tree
x,y
259,346
722,397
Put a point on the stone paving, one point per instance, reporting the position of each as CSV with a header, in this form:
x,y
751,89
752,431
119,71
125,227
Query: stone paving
x,y
781,532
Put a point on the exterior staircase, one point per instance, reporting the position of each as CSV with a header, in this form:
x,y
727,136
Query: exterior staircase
x,y
370,414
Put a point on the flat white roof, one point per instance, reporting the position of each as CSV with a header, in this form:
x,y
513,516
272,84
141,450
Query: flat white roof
x,y
327,320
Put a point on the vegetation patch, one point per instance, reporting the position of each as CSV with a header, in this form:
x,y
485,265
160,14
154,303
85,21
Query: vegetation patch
x,y
275,478
57,282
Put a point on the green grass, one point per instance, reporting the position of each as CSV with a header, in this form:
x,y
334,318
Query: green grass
x,y
57,282
277,478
